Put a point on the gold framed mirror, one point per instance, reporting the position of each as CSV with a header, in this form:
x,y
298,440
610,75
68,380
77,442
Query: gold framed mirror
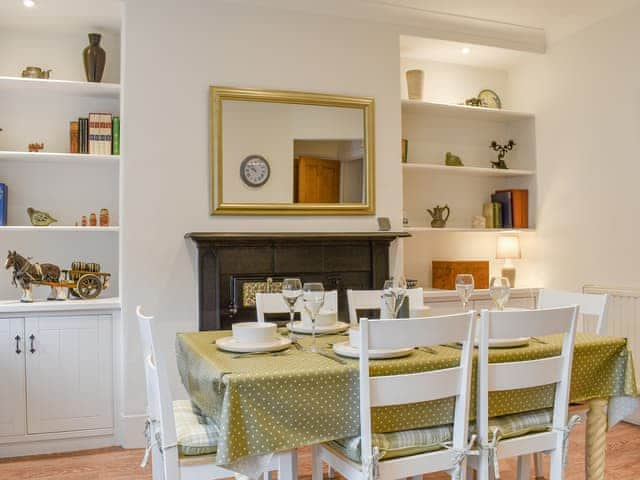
x,y
291,153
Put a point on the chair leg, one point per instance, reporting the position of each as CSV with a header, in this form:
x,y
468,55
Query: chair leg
x,y
330,472
556,468
524,467
316,463
538,461
288,465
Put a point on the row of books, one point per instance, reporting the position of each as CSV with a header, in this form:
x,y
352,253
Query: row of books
x,y
3,204
98,134
508,209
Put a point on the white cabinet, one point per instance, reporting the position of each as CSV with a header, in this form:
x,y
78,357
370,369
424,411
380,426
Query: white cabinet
x,y
68,371
56,375
12,378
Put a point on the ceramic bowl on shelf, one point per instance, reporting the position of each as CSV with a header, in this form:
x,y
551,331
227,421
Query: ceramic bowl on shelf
x,y
254,332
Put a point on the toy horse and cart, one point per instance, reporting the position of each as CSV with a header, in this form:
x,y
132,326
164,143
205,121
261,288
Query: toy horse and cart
x,y
83,280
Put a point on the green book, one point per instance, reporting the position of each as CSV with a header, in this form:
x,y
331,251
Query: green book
x,y
115,145
497,215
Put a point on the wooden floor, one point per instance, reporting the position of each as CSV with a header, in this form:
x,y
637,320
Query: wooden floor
x,y
623,462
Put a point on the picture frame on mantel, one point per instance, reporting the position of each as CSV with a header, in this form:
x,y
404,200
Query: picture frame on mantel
x,y
323,122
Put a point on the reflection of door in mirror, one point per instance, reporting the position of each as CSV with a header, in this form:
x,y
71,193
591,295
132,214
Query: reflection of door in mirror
x,y
317,180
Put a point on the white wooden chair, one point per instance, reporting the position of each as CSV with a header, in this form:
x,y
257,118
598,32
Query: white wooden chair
x,y
270,303
408,388
591,305
163,416
370,300
524,374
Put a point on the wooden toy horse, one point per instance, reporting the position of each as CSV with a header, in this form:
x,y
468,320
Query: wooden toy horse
x,y
26,274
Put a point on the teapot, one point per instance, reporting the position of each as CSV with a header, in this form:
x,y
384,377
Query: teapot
x,y
35,72
437,215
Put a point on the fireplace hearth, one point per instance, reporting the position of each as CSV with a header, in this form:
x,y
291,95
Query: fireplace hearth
x,y
232,265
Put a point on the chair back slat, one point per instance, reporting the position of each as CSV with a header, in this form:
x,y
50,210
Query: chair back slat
x,y
271,303
531,373
416,387
591,305
529,323
370,300
406,332
159,402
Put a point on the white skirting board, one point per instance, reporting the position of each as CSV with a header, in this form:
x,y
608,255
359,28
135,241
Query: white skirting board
x,y
623,320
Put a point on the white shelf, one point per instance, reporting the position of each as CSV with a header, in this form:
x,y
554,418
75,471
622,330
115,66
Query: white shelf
x,y
463,111
471,171
51,157
15,306
68,87
58,228
466,229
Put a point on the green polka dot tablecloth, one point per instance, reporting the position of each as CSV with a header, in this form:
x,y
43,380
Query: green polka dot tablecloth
x,y
268,403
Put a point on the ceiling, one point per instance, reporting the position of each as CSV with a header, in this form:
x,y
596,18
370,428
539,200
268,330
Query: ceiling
x,y
62,15
559,18
451,52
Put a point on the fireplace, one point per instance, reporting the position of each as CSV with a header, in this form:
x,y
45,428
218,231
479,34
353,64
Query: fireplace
x,y
231,266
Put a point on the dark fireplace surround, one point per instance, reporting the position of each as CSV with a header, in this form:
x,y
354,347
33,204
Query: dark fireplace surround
x,y
339,260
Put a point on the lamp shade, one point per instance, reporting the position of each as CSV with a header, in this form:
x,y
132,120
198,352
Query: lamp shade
x,y
508,246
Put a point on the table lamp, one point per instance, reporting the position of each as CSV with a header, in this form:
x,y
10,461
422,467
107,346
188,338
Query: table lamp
x,y
508,248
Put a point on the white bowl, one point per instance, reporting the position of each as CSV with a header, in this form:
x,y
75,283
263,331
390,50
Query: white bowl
x,y
325,318
254,332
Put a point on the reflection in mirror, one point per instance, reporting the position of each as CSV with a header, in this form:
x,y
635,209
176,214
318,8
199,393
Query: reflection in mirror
x,y
291,153
328,171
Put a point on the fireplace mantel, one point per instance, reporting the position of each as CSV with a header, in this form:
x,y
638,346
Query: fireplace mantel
x,y
341,260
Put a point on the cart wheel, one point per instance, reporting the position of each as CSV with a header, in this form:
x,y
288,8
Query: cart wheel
x,y
89,286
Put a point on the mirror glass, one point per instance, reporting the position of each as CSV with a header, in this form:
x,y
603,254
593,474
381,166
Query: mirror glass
x,y
281,156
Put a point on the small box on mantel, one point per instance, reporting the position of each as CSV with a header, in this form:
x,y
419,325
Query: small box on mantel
x,y
443,273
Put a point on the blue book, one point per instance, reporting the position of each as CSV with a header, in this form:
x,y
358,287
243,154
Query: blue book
x,y
504,199
3,203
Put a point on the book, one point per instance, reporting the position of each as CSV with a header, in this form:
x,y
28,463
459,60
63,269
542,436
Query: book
x,y
83,134
94,133
405,150
106,133
4,190
487,213
504,199
497,215
115,144
519,207
74,137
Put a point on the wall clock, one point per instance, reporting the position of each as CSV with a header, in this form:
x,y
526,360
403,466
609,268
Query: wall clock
x,y
255,170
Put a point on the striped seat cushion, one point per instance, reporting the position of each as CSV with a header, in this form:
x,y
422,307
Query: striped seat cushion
x,y
196,434
424,440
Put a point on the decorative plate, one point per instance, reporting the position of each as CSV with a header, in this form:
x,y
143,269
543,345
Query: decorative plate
x,y
232,344
489,99
346,350
255,170
300,327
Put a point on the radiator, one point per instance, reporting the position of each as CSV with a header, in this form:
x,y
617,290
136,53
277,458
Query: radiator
x,y
623,320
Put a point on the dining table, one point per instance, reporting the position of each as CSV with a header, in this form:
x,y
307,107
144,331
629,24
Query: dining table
x,y
271,402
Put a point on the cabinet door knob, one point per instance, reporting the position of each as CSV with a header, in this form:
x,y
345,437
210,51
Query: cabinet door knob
x,y
17,339
32,337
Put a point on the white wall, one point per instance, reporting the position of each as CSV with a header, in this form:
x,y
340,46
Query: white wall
x,y
453,83
586,98
166,76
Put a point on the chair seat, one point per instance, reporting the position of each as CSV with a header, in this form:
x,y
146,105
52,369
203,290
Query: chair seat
x,y
424,440
196,434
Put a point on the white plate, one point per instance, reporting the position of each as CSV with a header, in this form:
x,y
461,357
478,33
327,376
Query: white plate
x,y
232,344
508,342
300,327
346,350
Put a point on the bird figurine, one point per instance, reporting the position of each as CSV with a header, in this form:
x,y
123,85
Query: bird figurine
x,y
40,219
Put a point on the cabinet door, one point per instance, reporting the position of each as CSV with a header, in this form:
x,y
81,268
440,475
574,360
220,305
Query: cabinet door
x,y
12,379
69,375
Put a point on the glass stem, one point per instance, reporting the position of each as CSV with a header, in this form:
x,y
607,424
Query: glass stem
x,y
314,345
292,335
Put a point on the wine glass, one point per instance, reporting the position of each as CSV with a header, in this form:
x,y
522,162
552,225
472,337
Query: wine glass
x,y
291,292
313,296
464,287
394,293
499,290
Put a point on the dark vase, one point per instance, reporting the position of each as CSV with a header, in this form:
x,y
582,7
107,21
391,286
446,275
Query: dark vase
x,y
94,58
